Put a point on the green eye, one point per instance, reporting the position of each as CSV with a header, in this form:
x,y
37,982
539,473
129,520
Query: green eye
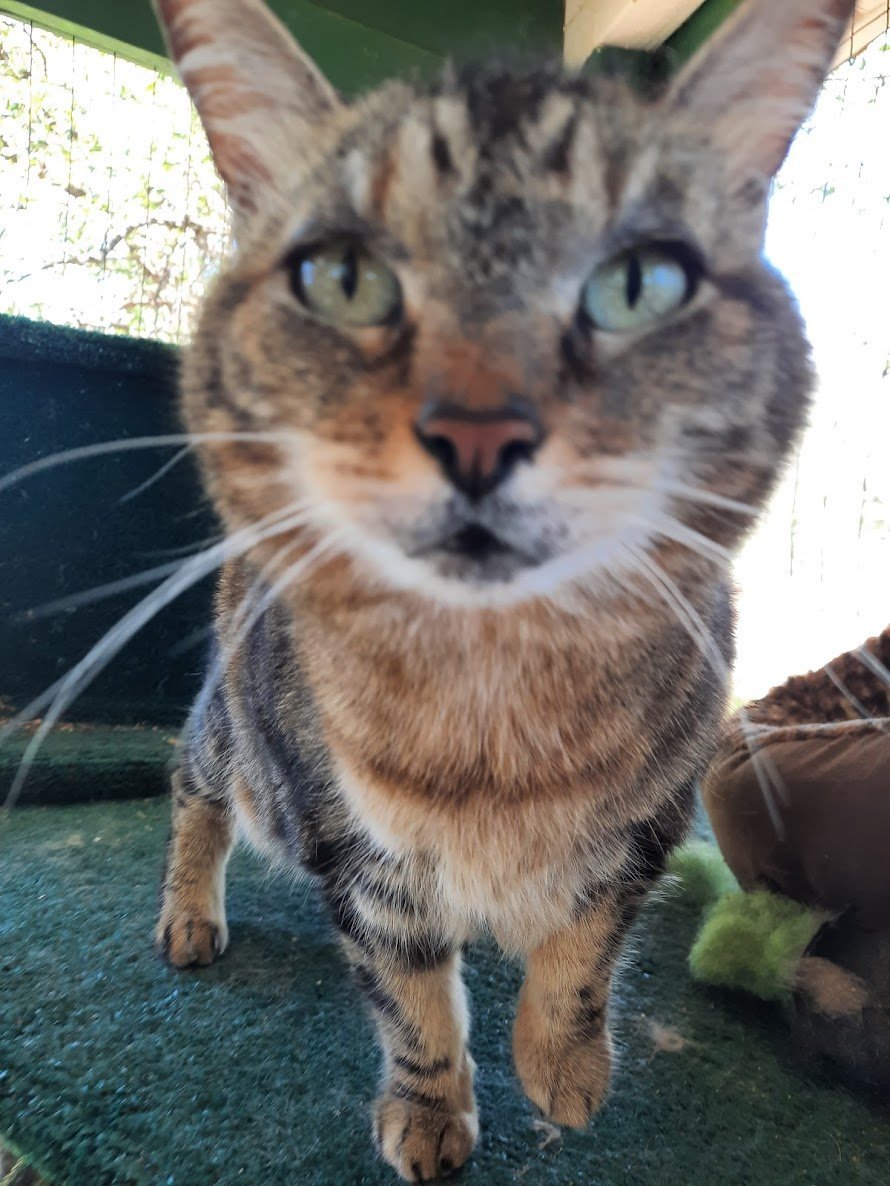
x,y
638,288
345,285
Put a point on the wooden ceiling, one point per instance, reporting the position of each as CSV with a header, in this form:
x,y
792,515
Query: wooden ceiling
x,y
645,24
633,24
359,42
871,20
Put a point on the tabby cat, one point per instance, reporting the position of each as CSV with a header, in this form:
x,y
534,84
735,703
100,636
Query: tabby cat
x,y
485,399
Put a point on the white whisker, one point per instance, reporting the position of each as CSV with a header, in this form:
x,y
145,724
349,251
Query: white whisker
x,y
184,550
847,694
192,570
701,635
207,560
157,476
874,663
256,601
99,592
709,499
123,585
126,445
625,472
768,777
192,639
670,528
260,582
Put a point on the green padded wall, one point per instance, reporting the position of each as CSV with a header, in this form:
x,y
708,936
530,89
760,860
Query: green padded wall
x,y
65,530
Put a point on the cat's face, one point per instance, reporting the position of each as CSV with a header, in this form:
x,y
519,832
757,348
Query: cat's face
x,y
512,329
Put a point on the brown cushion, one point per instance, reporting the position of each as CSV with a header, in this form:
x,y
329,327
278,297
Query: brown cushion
x,y
827,841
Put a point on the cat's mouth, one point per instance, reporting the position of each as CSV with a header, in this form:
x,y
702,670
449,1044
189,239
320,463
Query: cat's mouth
x,y
475,553
475,542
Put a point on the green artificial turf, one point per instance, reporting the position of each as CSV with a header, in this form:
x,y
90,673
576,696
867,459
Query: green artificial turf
x,y
14,1169
259,1071
78,763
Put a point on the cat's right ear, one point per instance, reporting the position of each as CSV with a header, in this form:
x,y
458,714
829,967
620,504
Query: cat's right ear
x,y
259,96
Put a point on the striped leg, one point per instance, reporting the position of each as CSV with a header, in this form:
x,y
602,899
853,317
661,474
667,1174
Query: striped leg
x,y
561,1043
425,1119
192,927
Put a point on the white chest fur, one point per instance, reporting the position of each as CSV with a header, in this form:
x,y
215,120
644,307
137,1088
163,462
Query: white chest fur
x,y
516,872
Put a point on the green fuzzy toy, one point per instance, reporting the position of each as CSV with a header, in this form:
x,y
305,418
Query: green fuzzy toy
x,y
700,869
748,941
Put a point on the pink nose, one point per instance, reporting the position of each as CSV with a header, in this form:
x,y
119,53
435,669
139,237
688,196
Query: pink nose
x,y
479,449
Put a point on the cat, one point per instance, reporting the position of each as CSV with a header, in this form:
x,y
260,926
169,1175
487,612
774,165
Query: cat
x,y
486,399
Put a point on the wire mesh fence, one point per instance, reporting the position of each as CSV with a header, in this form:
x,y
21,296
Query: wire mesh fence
x,y
814,578
111,213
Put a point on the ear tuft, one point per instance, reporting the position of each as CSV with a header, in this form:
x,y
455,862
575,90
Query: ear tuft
x,y
754,83
256,91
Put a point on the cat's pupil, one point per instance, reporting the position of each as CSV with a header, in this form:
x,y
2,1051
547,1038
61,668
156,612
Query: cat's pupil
x,y
634,281
349,273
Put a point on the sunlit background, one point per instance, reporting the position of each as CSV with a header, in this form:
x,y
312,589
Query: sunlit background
x,y
111,213
815,577
112,218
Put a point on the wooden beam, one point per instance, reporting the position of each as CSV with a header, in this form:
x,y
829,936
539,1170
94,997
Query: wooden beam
x,y
631,24
870,21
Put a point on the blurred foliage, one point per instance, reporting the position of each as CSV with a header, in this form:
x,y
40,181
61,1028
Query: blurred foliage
x,y
112,214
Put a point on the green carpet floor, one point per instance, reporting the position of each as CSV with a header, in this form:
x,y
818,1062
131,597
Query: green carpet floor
x,y
77,763
259,1071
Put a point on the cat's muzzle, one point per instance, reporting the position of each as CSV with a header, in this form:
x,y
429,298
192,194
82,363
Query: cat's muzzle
x,y
479,543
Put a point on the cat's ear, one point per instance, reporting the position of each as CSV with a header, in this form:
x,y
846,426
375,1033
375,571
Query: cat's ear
x,y
259,96
754,82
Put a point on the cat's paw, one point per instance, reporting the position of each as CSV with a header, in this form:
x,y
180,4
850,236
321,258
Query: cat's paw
x,y
185,938
423,1143
568,1083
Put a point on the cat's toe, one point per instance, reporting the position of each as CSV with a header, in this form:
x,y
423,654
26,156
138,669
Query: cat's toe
x,y
568,1085
187,940
421,1143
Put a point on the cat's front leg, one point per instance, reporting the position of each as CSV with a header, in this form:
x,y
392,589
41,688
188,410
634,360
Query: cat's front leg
x,y
191,928
425,1120
561,1043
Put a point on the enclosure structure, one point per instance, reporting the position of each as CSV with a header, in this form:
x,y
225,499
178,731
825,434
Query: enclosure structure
x,y
110,1072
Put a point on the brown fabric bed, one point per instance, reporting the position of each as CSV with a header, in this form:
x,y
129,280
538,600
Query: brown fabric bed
x,y
807,813
799,799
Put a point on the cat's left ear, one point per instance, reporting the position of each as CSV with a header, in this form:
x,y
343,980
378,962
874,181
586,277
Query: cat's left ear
x,y
754,82
261,99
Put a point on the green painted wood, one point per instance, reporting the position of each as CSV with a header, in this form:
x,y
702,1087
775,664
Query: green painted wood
x,y
701,25
129,29
357,43
354,55
446,26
